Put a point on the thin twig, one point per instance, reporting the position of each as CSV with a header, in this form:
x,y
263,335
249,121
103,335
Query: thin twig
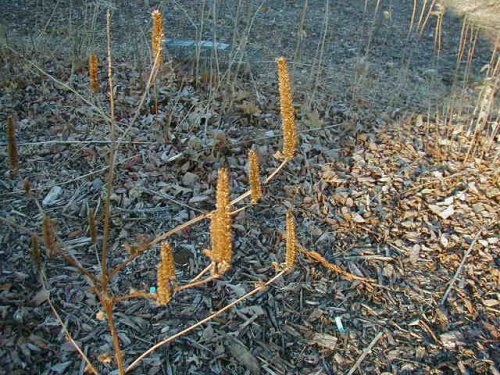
x,y
171,199
365,353
71,260
90,366
462,264
66,182
272,175
90,142
200,275
203,321
193,284
17,226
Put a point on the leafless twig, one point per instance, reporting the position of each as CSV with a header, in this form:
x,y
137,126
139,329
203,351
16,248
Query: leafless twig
x,y
365,353
459,269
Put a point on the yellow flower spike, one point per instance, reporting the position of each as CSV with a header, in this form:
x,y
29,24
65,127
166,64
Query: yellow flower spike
x,y
166,273
290,139
291,242
254,176
221,252
93,66
157,38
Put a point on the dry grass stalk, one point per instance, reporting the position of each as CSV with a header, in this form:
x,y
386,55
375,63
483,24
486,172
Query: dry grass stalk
x,y
166,273
93,66
287,111
92,226
12,146
221,252
35,252
291,242
254,176
49,236
157,38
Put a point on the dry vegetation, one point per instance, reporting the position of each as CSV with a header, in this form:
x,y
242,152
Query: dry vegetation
x,y
195,208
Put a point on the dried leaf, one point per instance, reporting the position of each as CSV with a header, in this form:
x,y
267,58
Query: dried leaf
x,y
40,297
324,340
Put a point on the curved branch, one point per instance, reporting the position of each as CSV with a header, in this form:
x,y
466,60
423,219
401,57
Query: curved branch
x,y
203,321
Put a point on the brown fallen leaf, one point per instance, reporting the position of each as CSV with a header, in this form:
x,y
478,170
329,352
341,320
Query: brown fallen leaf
x,y
443,214
40,297
243,355
324,340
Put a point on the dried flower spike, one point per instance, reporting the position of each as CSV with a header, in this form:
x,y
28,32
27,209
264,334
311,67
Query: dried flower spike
x,y
93,66
12,146
166,273
27,186
49,236
221,252
291,242
287,112
92,225
254,176
157,38
35,252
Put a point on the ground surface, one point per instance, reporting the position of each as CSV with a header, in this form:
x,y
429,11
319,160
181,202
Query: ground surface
x,y
378,188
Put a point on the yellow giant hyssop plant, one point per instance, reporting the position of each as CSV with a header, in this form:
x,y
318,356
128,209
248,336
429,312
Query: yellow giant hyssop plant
x,y
221,248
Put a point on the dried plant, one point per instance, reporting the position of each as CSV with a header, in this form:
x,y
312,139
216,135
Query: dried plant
x,y
35,252
166,274
221,252
291,242
27,186
49,236
12,146
92,226
254,176
157,38
287,112
93,66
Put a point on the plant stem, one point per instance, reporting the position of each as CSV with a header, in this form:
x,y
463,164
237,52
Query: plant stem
x,y
108,304
111,171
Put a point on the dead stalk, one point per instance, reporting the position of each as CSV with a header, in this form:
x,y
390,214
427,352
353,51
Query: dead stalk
x,y
412,21
111,170
108,304
106,300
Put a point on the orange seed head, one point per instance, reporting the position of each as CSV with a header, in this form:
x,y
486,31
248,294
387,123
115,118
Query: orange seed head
x,y
93,67
254,176
158,35
291,242
287,112
166,273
